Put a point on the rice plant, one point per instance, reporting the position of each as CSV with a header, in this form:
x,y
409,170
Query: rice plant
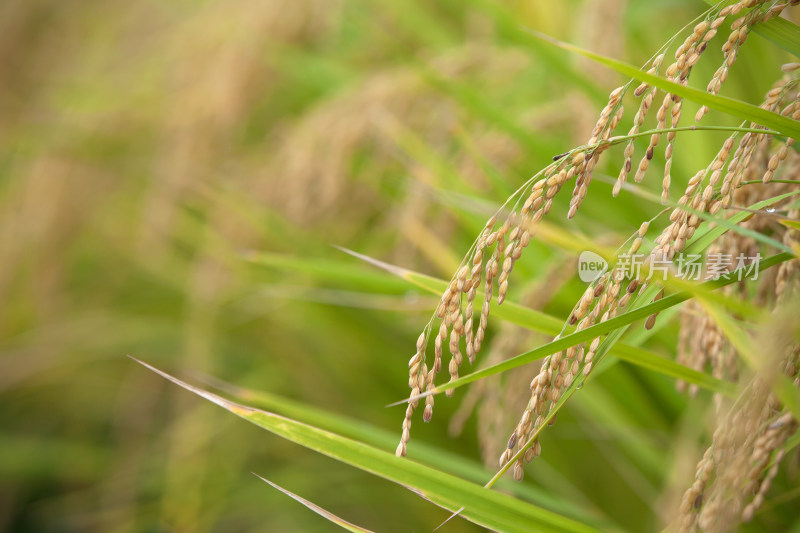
x,y
547,230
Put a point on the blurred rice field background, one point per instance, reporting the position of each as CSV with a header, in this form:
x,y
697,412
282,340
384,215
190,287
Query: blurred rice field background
x,y
173,176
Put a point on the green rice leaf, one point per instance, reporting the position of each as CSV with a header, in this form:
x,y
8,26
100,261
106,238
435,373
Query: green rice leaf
x,y
608,327
544,323
705,236
646,359
484,507
420,451
341,522
779,31
793,224
737,108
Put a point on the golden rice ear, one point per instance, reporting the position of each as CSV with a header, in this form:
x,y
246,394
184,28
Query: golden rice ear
x,y
737,469
741,158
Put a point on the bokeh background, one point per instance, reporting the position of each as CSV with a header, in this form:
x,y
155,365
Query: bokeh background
x,y
173,176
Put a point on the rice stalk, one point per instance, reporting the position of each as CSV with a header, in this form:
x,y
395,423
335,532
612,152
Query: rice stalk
x,y
462,321
737,469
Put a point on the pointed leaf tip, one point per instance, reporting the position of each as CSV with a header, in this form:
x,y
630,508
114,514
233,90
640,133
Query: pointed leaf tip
x,y
341,522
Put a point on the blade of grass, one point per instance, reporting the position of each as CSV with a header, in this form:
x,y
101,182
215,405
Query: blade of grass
x,y
486,508
645,359
731,106
387,440
705,236
341,522
605,418
608,327
792,224
779,31
726,223
328,269
544,323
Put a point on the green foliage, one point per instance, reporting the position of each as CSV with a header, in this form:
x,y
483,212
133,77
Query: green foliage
x,y
178,182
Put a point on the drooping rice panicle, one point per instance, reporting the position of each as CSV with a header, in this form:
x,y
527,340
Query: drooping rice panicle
x,y
490,262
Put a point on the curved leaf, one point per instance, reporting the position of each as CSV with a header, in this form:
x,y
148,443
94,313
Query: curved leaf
x,y
387,440
780,31
737,108
604,328
485,507
341,522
